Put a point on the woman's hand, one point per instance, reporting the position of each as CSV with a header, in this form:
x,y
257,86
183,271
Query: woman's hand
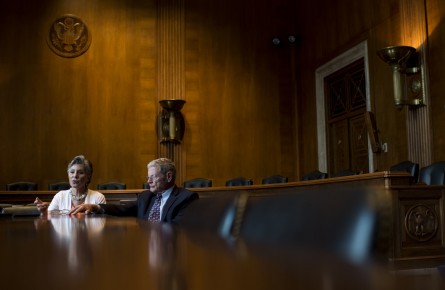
x,y
42,206
86,208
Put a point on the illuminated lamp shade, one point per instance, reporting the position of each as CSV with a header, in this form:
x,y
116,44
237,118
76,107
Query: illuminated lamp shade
x,y
171,121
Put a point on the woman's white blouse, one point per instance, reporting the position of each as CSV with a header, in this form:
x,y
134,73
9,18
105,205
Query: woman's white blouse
x,y
62,199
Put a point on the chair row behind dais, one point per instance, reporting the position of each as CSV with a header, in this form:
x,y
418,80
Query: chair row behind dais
x,y
238,181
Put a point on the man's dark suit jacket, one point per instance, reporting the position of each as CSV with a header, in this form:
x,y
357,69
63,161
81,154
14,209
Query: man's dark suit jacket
x,y
172,211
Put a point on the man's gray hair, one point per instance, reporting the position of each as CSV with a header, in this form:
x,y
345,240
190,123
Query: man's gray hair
x,y
163,165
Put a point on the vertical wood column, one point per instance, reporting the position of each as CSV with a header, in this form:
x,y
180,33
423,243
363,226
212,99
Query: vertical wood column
x,y
414,33
170,67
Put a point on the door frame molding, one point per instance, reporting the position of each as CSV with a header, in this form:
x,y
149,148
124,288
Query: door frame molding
x,y
337,63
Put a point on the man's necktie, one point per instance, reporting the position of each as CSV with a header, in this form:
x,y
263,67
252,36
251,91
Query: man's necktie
x,y
155,212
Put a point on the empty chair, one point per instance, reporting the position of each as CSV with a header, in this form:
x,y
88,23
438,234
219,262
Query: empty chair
x,y
407,166
198,182
215,214
433,174
22,186
346,172
111,186
343,222
58,186
316,174
239,181
274,179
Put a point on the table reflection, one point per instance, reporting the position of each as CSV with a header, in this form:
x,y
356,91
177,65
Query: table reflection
x,y
96,252
162,256
72,239
74,235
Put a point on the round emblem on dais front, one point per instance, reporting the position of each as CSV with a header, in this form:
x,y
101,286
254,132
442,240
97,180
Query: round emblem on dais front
x,y
421,222
69,36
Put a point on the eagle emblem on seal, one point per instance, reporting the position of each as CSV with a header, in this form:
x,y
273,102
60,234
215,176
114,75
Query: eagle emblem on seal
x,y
69,36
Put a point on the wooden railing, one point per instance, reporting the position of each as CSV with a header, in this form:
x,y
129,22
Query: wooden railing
x,y
382,179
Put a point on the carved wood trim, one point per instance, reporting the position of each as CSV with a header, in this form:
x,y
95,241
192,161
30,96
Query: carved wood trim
x,y
170,68
418,120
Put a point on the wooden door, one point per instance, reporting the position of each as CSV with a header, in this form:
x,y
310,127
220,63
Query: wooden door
x,y
346,103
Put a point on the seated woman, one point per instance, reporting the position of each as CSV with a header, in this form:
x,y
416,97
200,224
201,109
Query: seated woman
x,y
80,171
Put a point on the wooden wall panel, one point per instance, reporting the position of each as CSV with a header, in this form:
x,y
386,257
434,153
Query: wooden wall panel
x,y
436,59
100,104
250,107
104,104
380,22
342,26
235,105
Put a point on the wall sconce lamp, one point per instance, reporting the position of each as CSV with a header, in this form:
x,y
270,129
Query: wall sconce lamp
x,y
171,121
405,62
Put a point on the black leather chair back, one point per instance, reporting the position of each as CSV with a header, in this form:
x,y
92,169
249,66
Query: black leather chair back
x,y
212,214
407,166
239,181
198,182
21,186
274,179
59,186
111,186
316,174
433,174
343,223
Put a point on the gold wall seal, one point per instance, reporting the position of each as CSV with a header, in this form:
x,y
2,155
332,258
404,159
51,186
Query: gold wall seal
x,y
69,36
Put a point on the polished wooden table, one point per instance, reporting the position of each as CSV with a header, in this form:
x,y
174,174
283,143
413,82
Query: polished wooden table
x,y
96,252
415,242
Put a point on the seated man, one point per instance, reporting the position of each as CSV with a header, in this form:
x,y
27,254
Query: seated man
x,y
164,202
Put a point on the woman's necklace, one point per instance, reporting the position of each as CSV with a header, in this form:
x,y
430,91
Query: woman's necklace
x,y
78,197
